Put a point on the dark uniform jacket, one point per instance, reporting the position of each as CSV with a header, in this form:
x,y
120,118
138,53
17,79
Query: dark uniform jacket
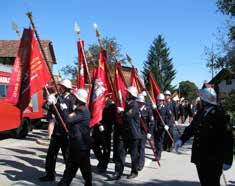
x,y
212,133
170,107
59,129
166,117
109,116
147,116
78,126
131,120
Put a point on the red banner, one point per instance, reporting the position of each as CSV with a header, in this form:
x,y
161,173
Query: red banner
x,y
83,71
120,85
100,89
154,88
135,81
29,74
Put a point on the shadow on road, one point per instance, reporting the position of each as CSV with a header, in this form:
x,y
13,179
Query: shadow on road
x,y
149,183
24,172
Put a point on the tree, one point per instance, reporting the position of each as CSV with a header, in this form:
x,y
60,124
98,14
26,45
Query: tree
x,y
71,69
188,90
95,50
224,6
160,65
229,105
222,54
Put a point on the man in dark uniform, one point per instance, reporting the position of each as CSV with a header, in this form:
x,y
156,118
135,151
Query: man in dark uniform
x,y
79,139
147,116
160,127
170,107
102,135
212,149
59,138
176,110
129,136
182,110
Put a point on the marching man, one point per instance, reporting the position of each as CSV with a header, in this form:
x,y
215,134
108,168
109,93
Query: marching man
x,y
212,150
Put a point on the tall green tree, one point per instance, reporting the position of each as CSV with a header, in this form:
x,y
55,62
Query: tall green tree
x,y
160,64
71,69
224,6
188,90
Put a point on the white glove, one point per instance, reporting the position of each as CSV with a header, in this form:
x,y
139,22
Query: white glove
x,y
154,106
176,122
148,136
166,127
178,144
63,106
226,166
120,109
51,100
101,128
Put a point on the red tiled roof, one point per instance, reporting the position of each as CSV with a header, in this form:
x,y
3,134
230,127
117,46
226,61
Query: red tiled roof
x,y
8,48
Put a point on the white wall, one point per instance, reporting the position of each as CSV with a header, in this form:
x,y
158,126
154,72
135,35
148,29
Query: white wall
x,y
223,87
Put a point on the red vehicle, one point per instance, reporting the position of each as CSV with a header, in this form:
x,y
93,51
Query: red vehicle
x,y
12,118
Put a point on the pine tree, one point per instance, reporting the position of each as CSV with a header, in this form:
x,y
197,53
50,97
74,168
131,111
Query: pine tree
x,y
160,65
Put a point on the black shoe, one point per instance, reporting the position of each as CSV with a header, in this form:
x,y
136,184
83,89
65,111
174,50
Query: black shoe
x,y
62,183
116,176
132,175
47,178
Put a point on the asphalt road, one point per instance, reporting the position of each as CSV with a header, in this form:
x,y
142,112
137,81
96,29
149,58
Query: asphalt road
x,y
22,162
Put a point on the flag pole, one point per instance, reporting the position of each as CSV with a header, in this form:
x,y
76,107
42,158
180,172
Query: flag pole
x,y
29,14
91,58
102,48
116,61
77,30
159,115
149,140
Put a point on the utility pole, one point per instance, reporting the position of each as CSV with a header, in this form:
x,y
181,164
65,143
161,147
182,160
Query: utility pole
x,y
212,63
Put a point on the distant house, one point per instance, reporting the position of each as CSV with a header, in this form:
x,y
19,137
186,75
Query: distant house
x,y
8,50
224,82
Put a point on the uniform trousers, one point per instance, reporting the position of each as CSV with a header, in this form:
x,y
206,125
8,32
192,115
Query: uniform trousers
x,y
77,159
159,136
122,146
209,173
56,143
141,153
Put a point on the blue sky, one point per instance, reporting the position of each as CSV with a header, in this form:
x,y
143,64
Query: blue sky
x,y
187,26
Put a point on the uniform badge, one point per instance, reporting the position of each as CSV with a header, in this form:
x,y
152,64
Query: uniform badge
x,y
130,111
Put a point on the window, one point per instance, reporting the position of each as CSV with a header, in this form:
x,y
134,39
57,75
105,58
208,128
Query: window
x,y
3,91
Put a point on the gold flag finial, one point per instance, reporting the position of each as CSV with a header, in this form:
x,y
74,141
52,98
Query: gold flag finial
x,y
98,35
91,57
129,59
15,27
77,29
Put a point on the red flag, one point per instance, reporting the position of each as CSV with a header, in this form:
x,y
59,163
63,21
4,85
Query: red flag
x,y
100,89
120,85
133,78
29,72
135,81
90,88
154,88
83,71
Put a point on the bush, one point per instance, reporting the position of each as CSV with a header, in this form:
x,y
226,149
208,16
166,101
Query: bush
x,y
229,105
